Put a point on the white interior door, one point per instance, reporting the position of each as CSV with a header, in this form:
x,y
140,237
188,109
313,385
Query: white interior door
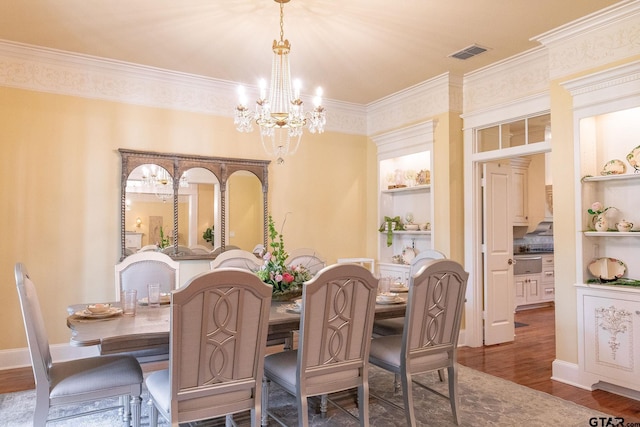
x,y
499,293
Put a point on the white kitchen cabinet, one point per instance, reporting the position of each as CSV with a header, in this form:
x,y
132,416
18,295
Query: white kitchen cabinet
x,y
519,191
405,184
398,272
132,240
609,336
528,289
547,279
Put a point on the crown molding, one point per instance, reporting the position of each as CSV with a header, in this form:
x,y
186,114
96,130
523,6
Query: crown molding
x,y
598,39
54,71
612,86
520,76
422,101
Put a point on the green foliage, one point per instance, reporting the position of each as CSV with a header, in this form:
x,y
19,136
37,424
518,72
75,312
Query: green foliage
x,y
208,235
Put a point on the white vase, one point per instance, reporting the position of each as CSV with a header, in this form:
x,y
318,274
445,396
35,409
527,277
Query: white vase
x,y
600,222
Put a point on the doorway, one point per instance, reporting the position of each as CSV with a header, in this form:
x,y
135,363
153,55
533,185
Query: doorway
x,y
479,311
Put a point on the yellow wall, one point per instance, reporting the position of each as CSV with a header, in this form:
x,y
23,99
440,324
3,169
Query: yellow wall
x,y
61,190
246,216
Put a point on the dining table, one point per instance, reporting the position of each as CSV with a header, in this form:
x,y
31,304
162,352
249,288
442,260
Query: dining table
x,y
150,326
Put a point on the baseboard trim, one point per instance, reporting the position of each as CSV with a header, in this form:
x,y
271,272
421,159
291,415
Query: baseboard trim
x,y
570,373
20,358
567,373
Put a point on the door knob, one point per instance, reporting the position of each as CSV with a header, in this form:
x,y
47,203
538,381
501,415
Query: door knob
x,y
511,261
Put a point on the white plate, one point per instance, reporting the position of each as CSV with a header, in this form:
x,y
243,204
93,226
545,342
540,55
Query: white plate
x,y
292,308
614,167
396,300
113,311
408,254
634,158
164,299
399,289
607,269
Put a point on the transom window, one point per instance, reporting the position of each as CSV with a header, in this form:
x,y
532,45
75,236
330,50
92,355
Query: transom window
x,y
521,132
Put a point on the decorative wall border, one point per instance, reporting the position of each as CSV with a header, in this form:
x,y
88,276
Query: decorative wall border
x,y
416,103
518,77
598,39
41,69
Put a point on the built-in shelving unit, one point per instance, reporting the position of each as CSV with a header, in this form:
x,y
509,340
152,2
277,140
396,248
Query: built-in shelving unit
x,y
405,158
606,111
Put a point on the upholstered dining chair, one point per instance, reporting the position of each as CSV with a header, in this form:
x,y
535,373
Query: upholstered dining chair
x,y
238,258
336,319
394,326
74,381
429,338
136,272
219,325
308,258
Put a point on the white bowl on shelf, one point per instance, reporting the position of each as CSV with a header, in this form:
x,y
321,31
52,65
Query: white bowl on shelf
x,y
412,227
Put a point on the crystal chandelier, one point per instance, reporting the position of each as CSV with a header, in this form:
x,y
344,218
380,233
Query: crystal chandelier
x,y
156,180
281,116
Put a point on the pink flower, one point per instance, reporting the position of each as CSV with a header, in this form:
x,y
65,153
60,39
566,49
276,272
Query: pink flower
x,y
596,207
278,277
287,277
267,256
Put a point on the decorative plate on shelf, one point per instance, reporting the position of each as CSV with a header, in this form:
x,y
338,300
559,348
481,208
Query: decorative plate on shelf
x,y
634,158
614,167
408,254
607,269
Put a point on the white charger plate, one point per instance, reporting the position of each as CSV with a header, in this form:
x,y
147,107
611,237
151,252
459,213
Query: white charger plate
x,y
396,300
113,311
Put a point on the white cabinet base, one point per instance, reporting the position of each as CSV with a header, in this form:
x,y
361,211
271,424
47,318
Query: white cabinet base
x,y
609,337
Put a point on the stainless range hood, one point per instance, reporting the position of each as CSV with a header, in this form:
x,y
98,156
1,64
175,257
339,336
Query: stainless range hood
x,y
544,228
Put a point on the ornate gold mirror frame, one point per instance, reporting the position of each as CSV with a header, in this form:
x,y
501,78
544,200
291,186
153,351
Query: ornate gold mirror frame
x,y
177,164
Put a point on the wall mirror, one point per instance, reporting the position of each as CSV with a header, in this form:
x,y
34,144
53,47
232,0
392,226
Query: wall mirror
x,y
191,207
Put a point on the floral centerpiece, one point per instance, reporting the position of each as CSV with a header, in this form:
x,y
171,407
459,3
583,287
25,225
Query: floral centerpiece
x,y
286,280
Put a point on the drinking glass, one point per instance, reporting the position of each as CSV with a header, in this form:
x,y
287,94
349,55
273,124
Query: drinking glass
x,y
384,284
154,294
130,302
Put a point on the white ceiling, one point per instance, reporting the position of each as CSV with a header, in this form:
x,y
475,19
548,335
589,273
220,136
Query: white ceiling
x,y
358,50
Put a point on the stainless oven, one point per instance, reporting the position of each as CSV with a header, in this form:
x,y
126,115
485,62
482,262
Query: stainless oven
x,y
527,264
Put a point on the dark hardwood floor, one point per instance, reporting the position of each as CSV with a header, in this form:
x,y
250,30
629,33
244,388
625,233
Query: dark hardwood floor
x,y
526,361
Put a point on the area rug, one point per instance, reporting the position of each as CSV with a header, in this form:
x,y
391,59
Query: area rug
x,y
485,401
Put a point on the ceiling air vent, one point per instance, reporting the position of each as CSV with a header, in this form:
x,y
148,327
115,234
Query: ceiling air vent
x,y
468,52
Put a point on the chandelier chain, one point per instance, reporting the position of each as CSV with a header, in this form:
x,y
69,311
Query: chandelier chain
x,y
281,22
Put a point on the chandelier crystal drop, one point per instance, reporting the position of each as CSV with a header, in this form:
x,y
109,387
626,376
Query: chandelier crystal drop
x,y
281,115
156,180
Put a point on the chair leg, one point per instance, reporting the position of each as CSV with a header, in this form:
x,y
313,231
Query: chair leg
x,y
303,411
323,405
396,383
41,412
407,396
135,410
441,375
125,409
264,419
153,414
363,404
453,392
